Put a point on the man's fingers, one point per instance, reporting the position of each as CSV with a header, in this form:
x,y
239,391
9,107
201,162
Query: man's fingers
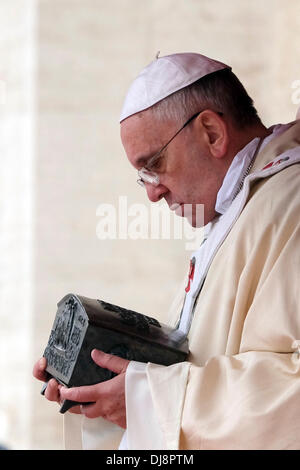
x,y
108,361
83,394
52,391
90,411
39,369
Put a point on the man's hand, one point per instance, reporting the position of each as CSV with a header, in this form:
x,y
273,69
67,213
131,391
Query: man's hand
x,y
108,397
52,392
39,372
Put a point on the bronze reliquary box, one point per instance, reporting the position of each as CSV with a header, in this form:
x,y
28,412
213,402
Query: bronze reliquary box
x,y
83,324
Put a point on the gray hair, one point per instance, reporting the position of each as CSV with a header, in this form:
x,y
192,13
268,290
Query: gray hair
x,y
220,91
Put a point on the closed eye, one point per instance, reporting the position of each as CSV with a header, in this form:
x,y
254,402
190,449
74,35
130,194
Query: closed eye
x,y
155,163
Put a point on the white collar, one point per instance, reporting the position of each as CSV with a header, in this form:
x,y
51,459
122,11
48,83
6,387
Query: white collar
x,y
240,167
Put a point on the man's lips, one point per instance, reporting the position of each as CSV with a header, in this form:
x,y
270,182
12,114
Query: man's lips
x,y
175,206
194,213
178,208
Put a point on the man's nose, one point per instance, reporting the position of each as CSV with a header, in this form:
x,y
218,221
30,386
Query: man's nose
x,y
155,193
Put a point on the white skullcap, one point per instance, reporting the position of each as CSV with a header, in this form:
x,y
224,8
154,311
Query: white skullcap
x,y
164,76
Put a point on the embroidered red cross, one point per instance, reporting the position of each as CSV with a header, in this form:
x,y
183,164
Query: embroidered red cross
x,y
269,165
191,274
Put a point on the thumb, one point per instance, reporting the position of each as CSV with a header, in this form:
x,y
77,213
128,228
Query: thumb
x,y
109,361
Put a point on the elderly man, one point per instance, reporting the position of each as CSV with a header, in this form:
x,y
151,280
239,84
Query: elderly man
x,y
191,131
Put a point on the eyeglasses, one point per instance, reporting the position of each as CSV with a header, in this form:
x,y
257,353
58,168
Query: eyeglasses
x,y
147,173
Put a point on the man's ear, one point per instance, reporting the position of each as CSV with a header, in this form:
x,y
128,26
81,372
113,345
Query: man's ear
x,y
215,132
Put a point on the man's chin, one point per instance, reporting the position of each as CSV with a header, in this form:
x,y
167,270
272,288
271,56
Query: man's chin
x,y
194,213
